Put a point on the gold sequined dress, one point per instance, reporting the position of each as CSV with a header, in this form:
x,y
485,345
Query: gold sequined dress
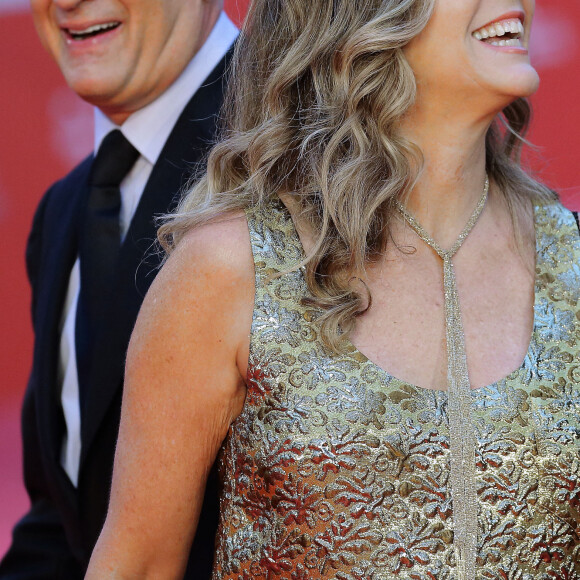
x,y
336,469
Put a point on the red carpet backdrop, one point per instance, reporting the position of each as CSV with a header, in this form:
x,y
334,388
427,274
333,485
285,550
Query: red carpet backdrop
x,y
46,129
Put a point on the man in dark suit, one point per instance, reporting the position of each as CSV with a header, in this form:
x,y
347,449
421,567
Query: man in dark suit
x,y
154,71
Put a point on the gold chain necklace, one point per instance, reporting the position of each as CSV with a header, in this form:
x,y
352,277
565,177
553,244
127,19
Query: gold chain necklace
x,y
461,429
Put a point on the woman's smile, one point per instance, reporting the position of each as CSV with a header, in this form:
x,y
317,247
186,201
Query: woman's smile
x,y
490,77
503,33
507,31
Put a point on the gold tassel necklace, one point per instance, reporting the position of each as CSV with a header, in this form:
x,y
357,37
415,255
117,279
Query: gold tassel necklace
x,y
462,442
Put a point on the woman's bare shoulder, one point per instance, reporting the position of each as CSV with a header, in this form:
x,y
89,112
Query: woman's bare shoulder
x,y
209,259
204,294
222,245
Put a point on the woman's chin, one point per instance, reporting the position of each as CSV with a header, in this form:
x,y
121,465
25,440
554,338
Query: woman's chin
x,y
499,97
521,84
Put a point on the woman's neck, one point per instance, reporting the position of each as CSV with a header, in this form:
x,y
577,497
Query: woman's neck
x,y
453,175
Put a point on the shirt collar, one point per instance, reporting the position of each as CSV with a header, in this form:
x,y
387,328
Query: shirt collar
x,y
149,128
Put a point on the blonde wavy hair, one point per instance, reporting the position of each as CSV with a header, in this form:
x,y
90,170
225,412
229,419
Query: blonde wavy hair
x,y
316,91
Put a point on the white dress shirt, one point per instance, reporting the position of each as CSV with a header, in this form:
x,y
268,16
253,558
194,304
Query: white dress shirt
x,y
147,130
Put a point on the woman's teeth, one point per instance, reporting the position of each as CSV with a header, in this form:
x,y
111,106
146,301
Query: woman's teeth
x,y
511,30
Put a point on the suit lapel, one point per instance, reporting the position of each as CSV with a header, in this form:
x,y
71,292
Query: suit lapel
x,y
139,261
59,247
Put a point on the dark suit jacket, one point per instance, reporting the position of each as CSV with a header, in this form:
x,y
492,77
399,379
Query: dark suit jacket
x,y
55,538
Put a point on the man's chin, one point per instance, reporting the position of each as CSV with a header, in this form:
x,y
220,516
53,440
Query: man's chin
x,y
95,90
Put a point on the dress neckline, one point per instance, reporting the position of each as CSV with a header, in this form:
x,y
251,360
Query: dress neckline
x,y
354,353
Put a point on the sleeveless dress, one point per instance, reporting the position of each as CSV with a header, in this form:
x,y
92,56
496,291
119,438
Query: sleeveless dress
x,y
336,469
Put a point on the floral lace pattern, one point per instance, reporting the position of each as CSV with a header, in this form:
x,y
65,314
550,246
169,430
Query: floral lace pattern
x,y
336,469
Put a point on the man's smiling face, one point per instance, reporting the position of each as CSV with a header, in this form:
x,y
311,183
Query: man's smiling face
x,y
120,55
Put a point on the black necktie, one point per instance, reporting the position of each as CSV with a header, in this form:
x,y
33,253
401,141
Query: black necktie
x,y
99,244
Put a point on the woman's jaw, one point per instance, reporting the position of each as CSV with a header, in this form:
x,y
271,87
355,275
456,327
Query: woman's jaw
x,y
472,58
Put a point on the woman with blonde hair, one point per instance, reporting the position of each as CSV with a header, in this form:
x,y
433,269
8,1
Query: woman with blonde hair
x,y
369,315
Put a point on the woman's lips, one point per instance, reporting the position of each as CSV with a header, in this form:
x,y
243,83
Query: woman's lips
x,y
506,32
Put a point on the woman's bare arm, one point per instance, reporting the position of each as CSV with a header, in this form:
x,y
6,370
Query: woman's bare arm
x,y
184,386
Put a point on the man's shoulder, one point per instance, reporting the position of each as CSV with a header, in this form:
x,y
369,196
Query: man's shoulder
x,y
75,177
63,193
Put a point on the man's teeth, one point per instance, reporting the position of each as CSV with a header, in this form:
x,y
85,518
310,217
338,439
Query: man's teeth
x,y
513,27
92,30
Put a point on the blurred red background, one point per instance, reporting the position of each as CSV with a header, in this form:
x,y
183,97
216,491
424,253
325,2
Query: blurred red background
x,y
47,129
